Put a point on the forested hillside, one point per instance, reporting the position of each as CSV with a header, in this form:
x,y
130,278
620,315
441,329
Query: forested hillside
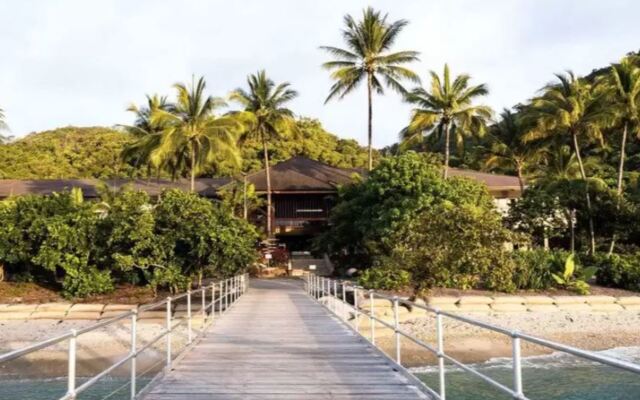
x,y
94,152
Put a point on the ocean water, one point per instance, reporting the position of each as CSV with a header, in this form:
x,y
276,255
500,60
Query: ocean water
x,y
551,377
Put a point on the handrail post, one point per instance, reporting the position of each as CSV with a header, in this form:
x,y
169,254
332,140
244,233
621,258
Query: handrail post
x,y
71,371
396,328
168,333
372,313
440,338
204,307
355,306
335,296
344,301
134,352
517,365
213,300
189,333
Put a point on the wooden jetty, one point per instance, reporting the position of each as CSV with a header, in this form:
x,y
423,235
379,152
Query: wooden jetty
x,y
278,343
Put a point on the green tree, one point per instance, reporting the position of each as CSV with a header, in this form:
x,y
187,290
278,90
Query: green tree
x,y
192,132
148,135
368,56
576,109
3,126
446,108
267,117
506,149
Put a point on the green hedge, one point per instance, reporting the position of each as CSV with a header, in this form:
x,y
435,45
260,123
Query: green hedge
x,y
86,248
618,271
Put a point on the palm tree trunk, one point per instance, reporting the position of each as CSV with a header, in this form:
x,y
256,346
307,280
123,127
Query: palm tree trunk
x,y
520,177
620,174
370,118
583,174
193,169
268,175
447,138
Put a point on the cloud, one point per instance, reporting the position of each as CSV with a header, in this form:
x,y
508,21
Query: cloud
x,y
81,63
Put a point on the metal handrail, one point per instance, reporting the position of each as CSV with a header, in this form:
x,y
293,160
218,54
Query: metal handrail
x,y
228,290
319,287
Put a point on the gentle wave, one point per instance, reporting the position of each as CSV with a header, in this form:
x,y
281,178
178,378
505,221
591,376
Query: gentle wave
x,y
547,361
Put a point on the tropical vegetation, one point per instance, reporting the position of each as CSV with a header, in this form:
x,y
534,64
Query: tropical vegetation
x,y
367,57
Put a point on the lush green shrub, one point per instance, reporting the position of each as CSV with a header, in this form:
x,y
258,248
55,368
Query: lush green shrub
x,y
453,246
534,268
384,278
397,191
87,247
619,271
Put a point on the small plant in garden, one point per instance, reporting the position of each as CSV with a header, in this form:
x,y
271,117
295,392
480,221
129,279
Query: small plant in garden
x,y
572,280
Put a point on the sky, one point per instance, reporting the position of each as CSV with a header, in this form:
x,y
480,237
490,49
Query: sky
x,y
79,62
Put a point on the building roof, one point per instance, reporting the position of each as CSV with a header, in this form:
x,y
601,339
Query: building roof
x,y
16,187
301,174
296,175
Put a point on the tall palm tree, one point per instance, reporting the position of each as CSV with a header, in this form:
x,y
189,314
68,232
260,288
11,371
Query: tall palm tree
x,y
624,79
267,117
367,56
193,132
575,109
446,108
147,134
3,126
506,148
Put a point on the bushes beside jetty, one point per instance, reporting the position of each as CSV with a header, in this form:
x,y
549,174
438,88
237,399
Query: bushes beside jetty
x,y
85,248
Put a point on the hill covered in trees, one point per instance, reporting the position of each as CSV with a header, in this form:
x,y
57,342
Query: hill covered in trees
x,y
94,152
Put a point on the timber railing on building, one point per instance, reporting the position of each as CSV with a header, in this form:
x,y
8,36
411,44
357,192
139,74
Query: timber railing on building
x,y
345,300
223,295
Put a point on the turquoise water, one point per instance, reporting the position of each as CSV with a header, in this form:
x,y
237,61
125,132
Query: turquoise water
x,y
553,377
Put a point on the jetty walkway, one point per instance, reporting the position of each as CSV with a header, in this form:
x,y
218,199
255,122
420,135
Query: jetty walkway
x,y
276,342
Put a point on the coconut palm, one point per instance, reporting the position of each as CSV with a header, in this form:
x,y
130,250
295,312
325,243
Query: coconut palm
x,y
367,57
574,109
625,81
3,126
267,118
446,108
192,132
148,135
506,149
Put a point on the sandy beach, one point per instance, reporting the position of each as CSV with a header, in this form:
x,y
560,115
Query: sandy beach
x,y
590,331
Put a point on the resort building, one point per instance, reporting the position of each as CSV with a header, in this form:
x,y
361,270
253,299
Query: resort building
x,y
303,192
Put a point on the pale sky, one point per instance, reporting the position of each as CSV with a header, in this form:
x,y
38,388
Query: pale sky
x,y
82,62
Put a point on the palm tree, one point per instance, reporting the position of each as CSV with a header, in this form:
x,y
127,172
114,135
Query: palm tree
x,y
148,135
506,149
267,117
624,79
192,132
573,108
3,126
367,57
445,109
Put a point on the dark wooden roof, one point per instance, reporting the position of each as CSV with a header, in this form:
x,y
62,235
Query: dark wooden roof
x,y
300,174
296,175
15,187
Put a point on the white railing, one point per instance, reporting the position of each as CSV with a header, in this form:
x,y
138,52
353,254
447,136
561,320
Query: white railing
x,y
319,288
223,294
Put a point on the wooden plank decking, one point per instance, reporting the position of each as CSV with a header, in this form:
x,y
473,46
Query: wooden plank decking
x,y
277,343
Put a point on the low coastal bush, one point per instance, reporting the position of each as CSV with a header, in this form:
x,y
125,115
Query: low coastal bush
x,y
384,278
86,248
619,271
534,269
